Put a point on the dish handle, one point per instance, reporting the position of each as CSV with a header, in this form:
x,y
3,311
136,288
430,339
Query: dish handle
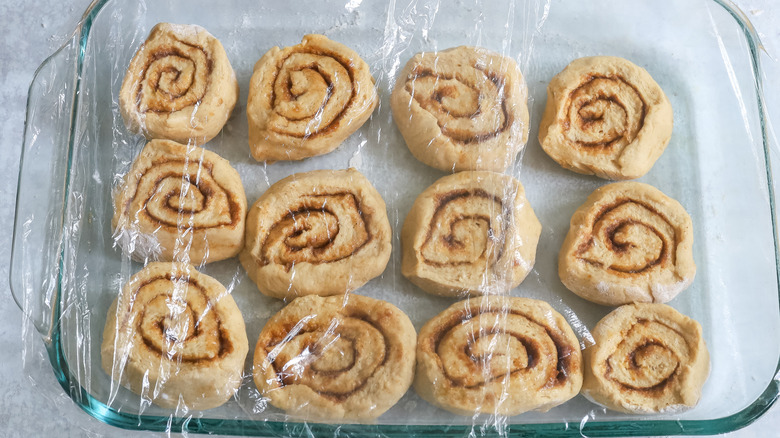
x,y
767,68
36,254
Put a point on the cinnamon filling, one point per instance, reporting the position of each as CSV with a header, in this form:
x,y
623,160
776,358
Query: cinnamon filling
x,y
468,227
172,191
302,93
632,242
173,79
322,228
604,112
647,360
486,363
333,360
466,112
189,331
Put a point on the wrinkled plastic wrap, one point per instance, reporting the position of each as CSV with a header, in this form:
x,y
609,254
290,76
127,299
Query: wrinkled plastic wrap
x,y
69,266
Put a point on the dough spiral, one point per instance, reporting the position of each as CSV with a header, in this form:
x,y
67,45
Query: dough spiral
x,y
175,335
647,358
307,99
628,243
179,85
607,117
498,355
180,203
471,232
462,109
323,232
337,357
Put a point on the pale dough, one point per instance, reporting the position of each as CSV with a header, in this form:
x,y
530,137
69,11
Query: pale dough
x,y
498,355
180,203
605,116
648,358
305,100
179,86
471,232
628,243
463,108
323,232
336,358
176,337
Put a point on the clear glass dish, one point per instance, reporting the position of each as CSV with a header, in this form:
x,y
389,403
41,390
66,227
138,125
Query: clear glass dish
x,y
704,54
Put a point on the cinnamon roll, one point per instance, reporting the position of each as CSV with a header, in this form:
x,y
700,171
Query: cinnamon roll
x,y
498,355
179,86
605,116
338,358
628,243
180,203
323,232
648,358
175,337
463,108
305,100
471,232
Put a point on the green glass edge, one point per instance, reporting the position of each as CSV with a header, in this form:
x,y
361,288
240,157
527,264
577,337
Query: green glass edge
x,y
110,416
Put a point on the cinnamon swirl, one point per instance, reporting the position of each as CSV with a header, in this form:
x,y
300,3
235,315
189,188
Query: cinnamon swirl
x,y
648,358
339,358
323,232
179,85
305,100
471,232
175,337
463,108
628,243
180,203
605,116
498,355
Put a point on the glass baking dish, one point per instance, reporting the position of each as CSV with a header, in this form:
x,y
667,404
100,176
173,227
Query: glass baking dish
x,y
704,54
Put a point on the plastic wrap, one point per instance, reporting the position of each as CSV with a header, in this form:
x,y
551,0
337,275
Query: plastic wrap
x,y
69,264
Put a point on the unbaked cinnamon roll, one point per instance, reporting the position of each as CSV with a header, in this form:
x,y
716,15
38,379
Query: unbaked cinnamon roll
x,y
471,232
175,337
498,355
628,243
647,358
337,358
179,86
323,232
605,116
180,203
305,100
462,109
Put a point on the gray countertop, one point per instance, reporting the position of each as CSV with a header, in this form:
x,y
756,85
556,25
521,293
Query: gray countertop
x,y
31,403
